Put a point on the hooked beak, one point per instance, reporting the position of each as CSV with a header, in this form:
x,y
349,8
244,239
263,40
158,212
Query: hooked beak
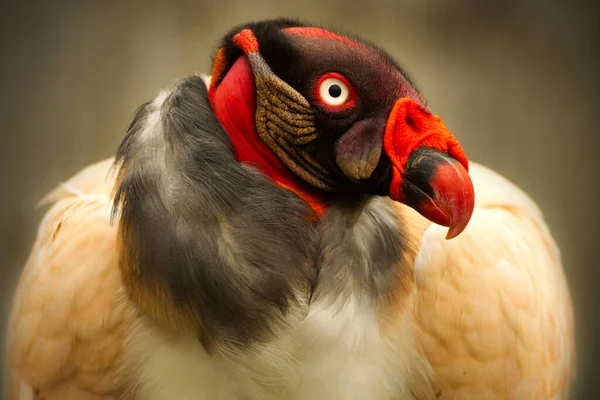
x,y
429,167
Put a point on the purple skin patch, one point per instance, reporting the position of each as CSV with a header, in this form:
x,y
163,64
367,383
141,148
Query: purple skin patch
x,y
358,151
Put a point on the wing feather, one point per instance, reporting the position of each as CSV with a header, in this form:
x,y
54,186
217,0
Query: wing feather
x,y
493,303
69,315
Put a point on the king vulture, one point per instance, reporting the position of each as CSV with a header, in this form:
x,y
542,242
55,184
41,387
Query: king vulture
x,y
299,225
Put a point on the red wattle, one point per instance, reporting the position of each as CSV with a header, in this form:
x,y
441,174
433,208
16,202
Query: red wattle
x,y
234,103
410,126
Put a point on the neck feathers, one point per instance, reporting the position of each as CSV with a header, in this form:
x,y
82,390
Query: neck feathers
x,y
207,242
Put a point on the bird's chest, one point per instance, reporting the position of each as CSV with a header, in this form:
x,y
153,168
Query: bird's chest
x,y
334,352
336,343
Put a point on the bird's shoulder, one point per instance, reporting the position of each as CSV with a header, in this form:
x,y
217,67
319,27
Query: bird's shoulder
x,y
69,315
493,304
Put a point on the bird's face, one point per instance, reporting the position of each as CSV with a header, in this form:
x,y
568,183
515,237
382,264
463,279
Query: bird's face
x,y
338,114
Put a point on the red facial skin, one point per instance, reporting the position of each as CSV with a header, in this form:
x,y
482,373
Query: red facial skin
x,y
234,104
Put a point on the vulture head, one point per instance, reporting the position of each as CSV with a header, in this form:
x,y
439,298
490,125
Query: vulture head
x,y
327,116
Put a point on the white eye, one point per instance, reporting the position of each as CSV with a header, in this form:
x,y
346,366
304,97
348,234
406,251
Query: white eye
x,y
334,92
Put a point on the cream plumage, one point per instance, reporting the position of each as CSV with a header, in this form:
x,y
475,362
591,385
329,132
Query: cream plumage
x,y
390,309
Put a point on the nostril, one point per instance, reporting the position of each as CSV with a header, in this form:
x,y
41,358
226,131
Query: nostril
x,y
416,118
410,121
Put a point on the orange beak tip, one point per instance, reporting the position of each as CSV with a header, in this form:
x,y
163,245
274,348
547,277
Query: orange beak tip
x,y
455,195
439,188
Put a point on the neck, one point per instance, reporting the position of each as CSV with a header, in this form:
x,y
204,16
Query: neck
x,y
234,104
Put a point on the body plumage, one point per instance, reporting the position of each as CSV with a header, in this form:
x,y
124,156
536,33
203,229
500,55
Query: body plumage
x,y
189,267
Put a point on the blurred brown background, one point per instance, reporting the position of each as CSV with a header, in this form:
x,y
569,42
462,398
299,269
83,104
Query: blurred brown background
x,y
516,81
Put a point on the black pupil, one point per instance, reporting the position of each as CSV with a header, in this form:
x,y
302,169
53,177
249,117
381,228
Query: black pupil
x,y
335,91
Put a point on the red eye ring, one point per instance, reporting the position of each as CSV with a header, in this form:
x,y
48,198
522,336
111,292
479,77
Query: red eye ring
x,y
340,98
